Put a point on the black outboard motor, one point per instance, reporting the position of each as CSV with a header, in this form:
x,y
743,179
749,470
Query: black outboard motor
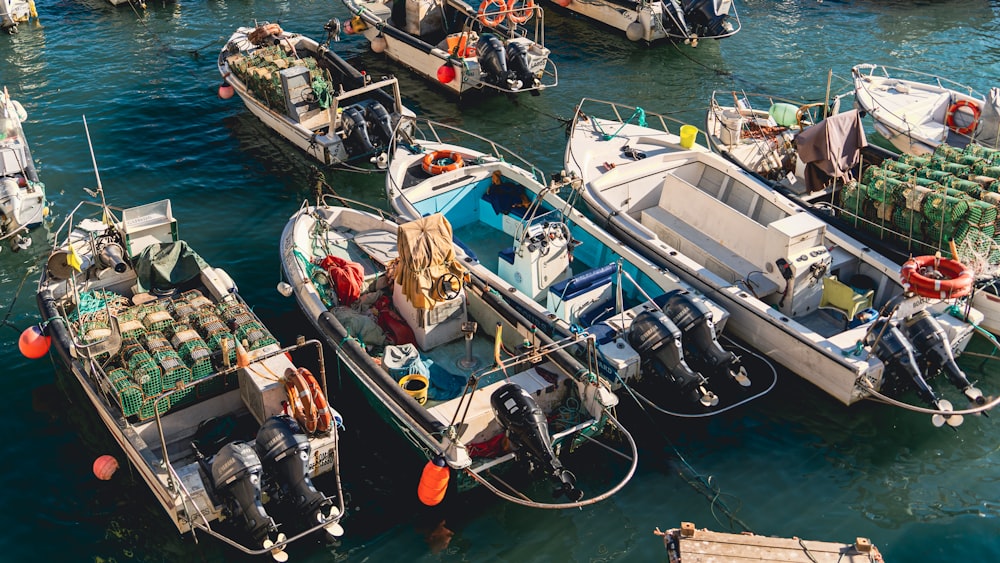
x,y
379,124
493,60
528,432
708,18
356,131
673,19
897,354
658,341
700,342
934,350
517,62
236,475
284,452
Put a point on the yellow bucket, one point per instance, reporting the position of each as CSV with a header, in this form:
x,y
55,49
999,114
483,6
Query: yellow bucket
x,y
416,386
688,134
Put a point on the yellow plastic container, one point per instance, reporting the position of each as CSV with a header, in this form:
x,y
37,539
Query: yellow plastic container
x,y
416,386
688,134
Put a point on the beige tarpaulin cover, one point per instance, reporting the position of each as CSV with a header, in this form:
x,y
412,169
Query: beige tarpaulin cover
x,y
426,252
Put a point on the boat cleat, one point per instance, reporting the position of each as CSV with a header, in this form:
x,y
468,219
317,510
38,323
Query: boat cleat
x,y
953,420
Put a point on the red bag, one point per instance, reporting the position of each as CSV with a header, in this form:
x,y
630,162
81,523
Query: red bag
x,y
395,328
347,278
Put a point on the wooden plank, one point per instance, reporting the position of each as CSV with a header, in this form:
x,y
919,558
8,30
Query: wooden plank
x,y
705,546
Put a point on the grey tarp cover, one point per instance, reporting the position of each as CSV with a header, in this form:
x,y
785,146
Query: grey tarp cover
x,y
988,133
166,265
831,148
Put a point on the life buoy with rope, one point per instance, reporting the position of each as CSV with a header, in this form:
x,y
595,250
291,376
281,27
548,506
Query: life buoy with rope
x,y
956,280
950,120
324,415
301,405
493,19
439,162
520,15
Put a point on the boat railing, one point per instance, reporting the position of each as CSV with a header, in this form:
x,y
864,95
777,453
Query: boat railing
x,y
916,76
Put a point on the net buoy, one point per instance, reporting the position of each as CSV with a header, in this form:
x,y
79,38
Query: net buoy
x,y
34,343
378,44
434,481
226,91
445,74
105,467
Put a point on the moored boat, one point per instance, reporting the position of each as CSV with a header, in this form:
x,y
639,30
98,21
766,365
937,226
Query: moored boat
x,y
465,377
686,21
655,335
22,194
499,48
188,381
799,290
916,111
14,12
309,94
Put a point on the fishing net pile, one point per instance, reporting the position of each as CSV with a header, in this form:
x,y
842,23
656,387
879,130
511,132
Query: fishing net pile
x,y
260,69
168,344
929,202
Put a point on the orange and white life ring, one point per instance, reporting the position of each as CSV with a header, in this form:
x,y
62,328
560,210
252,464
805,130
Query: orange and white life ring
x,y
300,400
957,282
521,15
950,120
439,162
495,18
324,415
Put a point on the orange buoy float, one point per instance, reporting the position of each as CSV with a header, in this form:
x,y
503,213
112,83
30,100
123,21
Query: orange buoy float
x,y
226,91
34,343
300,400
492,19
434,481
438,162
105,467
955,107
520,15
921,276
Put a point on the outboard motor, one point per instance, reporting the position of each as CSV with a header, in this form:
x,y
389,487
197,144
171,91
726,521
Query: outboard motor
x,y
659,344
284,452
10,203
934,350
236,475
528,432
700,343
493,60
356,131
708,18
673,20
517,63
379,124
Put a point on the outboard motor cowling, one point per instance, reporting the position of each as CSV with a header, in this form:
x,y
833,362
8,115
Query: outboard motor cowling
x,y
493,61
236,475
659,344
356,131
379,124
934,350
694,319
284,452
708,18
517,63
897,354
528,432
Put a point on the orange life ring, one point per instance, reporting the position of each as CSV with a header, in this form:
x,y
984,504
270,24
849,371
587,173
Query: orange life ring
x,y
324,416
950,120
496,18
958,282
522,15
439,162
300,400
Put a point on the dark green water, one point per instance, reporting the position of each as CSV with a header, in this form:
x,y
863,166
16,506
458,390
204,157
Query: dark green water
x,y
794,463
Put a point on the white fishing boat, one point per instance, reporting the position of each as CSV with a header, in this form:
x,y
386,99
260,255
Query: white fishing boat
x,y
916,111
655,334
22,195
798,290
188,381
498,48
446,361
309,95
14,12
686,21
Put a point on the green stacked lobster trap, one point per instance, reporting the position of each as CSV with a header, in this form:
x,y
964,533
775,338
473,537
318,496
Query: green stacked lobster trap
x,y
259,71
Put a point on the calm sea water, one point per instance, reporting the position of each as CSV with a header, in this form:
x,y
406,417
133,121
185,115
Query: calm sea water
x,y
793,463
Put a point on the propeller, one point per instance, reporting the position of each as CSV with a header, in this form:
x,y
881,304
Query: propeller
x,y
953,420
740,377
278,553
333,528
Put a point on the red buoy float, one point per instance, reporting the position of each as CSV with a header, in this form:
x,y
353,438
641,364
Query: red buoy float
x,y
34,343
226,91
434,481
445,73
105,467
937,278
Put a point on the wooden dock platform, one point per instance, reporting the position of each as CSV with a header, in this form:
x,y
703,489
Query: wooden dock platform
x,y
690,545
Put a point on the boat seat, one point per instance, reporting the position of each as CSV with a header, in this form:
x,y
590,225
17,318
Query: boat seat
x,y
841,297
568,298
